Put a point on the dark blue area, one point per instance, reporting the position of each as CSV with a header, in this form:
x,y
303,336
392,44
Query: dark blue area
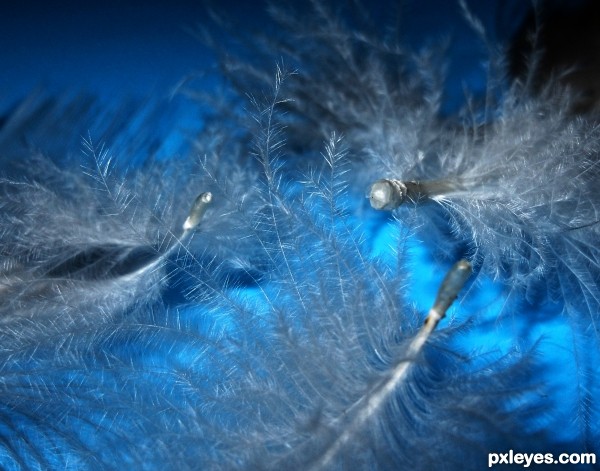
x,y
107,48
122,49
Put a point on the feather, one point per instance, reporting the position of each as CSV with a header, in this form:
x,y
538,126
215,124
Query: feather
x,y
509,183
269,330
513,180
521,195
336,376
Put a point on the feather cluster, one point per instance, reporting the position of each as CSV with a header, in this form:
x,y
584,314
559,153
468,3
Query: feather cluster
x,y
270,335
517,171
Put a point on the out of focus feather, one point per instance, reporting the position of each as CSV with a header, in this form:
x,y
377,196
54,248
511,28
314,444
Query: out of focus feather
x,y
516,173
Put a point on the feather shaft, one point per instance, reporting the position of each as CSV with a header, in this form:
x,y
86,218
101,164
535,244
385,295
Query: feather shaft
x,y
389,194
447,293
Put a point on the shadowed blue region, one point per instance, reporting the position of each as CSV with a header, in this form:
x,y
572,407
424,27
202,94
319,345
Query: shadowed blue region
x,y
502,327
423,274
466,54
119,126
113,49
506,325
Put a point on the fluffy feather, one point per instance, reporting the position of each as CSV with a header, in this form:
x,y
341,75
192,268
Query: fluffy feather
x,y
515,176
272,336
258,377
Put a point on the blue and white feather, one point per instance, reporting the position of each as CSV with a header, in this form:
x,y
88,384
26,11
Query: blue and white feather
x,y
230,308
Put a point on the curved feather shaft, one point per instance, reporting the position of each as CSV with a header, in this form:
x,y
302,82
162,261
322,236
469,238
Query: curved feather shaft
x,y
373,401
389,194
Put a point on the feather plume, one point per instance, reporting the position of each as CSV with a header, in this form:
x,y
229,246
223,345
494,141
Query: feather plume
x,y
318,366
143,327
512,179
